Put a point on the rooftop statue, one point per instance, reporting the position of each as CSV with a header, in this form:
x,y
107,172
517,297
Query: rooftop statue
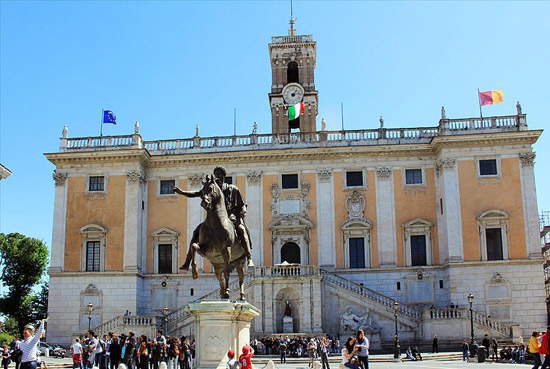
x,y
223,237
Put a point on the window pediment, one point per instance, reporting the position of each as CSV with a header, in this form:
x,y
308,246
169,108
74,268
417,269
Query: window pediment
x,y
493,215
356,223
93,229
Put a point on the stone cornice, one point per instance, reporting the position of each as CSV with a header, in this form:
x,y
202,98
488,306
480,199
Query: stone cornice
x,y
103,156
485,139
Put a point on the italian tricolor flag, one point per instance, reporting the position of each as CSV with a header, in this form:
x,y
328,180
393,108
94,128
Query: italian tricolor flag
x,y
294,111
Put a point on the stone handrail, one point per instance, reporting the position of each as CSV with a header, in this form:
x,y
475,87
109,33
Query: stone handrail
x,y
290,271
464,313
468,124
372,295
127,321
319,138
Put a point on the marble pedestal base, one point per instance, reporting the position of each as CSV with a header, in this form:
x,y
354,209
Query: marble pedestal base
x,y
220,326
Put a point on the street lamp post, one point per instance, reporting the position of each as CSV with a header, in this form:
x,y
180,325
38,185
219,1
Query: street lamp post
x,y
471,301
396,346
165,313
90,309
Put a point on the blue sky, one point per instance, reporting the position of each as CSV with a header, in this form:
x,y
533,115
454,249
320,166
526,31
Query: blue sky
x,y
174,64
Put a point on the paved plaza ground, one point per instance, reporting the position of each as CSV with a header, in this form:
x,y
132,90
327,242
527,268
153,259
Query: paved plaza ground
x,y
432,364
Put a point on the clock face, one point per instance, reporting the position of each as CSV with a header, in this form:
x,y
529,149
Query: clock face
x,y
293,93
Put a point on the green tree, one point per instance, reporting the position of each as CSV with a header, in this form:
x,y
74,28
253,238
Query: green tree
x,y
23,261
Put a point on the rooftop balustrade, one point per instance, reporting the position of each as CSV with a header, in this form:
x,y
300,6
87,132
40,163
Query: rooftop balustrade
x,y
363,137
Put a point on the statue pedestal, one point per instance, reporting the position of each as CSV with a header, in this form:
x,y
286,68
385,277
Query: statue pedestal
x,y
288,324
220,326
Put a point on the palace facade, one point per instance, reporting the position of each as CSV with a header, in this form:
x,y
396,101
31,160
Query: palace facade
x,y
348,227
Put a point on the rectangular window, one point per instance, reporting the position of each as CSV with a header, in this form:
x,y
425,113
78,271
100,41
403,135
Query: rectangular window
x,y
488,167
441,205
357,252
167,186
441,283
398,286
290,181
93,262
228,180
413,176
354,179
165,259
493,237
418,250
96,183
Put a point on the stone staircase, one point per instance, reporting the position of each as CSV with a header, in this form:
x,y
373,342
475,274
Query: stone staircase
x,y
410,317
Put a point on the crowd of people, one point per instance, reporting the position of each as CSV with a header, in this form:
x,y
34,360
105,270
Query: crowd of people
x,y
134,352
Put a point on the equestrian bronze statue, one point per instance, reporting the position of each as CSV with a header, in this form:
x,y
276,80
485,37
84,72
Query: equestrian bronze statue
x,y
222,238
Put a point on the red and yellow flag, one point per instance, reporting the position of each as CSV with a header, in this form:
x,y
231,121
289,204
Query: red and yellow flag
x,y
491,97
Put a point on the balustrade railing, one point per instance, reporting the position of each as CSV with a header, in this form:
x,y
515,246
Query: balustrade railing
x,y
285,271
359,289
291,39
464,313
331,138
125,321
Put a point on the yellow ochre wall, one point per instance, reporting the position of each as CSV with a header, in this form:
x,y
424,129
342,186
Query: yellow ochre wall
x,y
478,195
105,209
169,212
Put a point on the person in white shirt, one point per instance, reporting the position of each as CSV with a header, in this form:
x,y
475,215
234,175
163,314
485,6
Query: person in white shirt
x,y
76,347
29,346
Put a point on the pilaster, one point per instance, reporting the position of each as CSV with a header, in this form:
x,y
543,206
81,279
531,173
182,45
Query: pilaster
x,y
254,217
133,220
530,206
450,193
325,218
385,218
59,222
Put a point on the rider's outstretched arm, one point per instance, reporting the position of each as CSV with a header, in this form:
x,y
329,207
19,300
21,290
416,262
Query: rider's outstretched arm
x,y
187,193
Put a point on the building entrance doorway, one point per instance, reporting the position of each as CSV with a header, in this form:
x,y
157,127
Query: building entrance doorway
x,y
290,252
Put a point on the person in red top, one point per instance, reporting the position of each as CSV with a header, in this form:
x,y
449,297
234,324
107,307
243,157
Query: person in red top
x,y
545,349
246,358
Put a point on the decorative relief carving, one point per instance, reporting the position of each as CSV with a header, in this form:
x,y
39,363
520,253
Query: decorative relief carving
x,y
59,178
135,175
527,159
324,174
497,278
195,180
355,205
440,164
383,172
254,177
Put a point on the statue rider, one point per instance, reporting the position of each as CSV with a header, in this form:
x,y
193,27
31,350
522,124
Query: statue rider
x,y
236,211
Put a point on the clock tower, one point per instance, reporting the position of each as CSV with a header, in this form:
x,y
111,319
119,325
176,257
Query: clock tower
x,y
293,81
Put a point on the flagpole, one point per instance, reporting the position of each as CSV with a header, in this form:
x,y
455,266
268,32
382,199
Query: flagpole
x,y
101,121
479,101
234,121
342,114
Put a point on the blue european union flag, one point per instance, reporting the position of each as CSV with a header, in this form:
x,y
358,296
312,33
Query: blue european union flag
x,y
109,117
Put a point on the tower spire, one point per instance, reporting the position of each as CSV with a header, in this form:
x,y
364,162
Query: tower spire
x,y
292,31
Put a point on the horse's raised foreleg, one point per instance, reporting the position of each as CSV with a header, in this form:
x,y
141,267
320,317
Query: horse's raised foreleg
x,y
194,271
226,270
192,250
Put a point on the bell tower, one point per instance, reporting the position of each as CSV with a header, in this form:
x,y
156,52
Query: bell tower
x,y
293,81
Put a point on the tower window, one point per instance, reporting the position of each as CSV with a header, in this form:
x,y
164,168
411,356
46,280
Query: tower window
x,y
292,74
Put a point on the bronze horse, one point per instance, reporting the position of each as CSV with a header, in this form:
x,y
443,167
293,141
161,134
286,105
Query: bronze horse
x,y
218,241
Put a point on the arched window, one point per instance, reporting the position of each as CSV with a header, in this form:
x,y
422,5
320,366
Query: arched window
x,y
493,226
292,74
290,252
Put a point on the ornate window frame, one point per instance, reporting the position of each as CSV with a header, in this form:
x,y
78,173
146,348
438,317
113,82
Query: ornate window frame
x,y
165,236
357,228
93,232
493,219
417,227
